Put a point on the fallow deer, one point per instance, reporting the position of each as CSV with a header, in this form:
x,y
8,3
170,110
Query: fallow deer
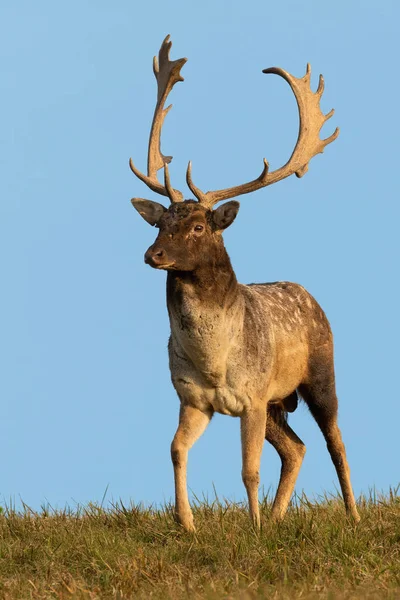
x,y
246,351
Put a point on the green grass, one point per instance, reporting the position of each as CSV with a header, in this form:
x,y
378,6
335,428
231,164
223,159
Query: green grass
x,y
135,552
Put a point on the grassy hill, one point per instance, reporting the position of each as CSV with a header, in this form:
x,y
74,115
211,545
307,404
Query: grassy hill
x,y
139,553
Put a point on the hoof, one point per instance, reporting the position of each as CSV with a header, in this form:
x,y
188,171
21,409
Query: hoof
x,y
186,523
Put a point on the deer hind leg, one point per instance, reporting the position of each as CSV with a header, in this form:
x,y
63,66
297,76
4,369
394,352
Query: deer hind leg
x,y
192,423
291,451
320,396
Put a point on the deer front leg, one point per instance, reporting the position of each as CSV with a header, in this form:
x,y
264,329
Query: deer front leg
x,y
252,427
192,423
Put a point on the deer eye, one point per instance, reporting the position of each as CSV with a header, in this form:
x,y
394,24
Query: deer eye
x,y
198,228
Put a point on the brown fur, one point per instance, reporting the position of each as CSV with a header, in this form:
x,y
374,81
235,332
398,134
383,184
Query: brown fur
x,y
244,351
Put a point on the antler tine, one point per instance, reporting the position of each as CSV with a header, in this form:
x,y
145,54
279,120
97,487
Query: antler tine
x,y
210,198
173,196
201,197
167,73
307,146
312,119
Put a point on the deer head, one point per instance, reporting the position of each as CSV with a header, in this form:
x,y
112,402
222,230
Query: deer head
x,y
189,229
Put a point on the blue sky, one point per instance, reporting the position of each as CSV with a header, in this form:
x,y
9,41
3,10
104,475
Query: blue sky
x,y
86,395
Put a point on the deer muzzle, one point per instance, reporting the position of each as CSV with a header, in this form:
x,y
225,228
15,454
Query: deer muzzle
x,y
157,258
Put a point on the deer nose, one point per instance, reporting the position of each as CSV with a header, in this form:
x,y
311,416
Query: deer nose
x,y
154,256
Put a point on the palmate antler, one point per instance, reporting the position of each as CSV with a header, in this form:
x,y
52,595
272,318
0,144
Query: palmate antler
x,y
308,142
167,73
307,146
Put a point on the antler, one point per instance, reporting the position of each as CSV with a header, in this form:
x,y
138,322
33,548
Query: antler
x,y
308,142
167,73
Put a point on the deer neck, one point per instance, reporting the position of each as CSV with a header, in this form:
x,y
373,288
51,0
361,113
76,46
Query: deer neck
x,y
204,307
212,287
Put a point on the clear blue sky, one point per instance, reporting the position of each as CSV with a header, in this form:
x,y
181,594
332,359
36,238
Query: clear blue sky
x,y
86,398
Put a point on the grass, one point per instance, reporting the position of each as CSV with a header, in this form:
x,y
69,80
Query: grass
x,y
132,552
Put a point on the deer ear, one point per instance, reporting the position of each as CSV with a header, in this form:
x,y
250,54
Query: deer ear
x,y
224,215
149,210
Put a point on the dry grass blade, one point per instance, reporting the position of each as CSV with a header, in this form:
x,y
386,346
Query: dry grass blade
x,y
134,552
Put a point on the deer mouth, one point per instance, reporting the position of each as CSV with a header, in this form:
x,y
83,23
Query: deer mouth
x,y
164,266
158,259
